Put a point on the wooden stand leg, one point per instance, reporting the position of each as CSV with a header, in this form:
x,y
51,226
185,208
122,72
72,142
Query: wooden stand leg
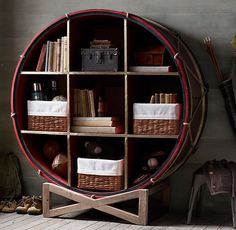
x,y
101,204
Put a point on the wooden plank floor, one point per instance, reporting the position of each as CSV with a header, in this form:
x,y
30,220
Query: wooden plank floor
x,y
93,221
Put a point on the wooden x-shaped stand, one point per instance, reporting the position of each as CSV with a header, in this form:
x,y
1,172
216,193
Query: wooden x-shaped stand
x,y
101,204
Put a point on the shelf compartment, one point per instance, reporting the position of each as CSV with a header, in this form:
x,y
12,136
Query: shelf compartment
x,y
25,87
141,150
109,88
42,150
84,147
55,31
86,29
147,49
141,89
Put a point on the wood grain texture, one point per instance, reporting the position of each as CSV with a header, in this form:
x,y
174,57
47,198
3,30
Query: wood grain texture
x,y
167,222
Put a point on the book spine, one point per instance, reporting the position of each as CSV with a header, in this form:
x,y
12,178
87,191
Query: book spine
x,y
62,55
75,102
174,98
162,98
58,54
50,56
54,57
157,98
152,100
91,103
79,103
65,64
47,56
84,102
41,60
167,98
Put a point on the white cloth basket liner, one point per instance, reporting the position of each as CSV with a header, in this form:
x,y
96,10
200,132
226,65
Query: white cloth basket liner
x,y
47,108
157,111
100,167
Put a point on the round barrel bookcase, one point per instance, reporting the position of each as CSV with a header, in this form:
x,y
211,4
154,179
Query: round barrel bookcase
x,y
137,40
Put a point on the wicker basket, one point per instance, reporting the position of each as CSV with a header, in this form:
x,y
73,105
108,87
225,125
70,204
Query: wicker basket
x,y
96,182
156,119
156,127
96,178
47,116
47,123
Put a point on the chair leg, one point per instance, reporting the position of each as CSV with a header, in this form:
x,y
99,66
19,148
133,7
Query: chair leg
x,y
199,200
233,211
198,181
190,206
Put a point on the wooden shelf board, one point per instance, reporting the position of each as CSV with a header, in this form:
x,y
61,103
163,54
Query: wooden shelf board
x,y
154,136
42,132
96,73
41,73
98,134
125,135
154,73
101,73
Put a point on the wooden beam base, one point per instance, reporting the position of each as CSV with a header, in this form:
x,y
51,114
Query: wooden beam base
x,y
85,203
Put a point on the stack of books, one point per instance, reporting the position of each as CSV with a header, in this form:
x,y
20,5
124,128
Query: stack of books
x,y
100,44
84,103
97,125
54,56
166,98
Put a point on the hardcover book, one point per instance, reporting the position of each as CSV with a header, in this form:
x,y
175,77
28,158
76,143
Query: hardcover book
x,y
96,121
41,60
98,129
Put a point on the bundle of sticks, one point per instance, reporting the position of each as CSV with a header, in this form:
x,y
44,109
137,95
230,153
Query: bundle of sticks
x,y
213,58
225,84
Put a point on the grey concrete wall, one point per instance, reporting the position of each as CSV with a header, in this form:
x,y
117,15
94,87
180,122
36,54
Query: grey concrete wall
x,y
20,20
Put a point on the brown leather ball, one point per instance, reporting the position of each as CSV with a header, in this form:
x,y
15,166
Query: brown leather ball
x,y
50,149
59,165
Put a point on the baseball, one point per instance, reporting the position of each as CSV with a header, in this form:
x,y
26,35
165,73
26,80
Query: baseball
x,y
152,163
